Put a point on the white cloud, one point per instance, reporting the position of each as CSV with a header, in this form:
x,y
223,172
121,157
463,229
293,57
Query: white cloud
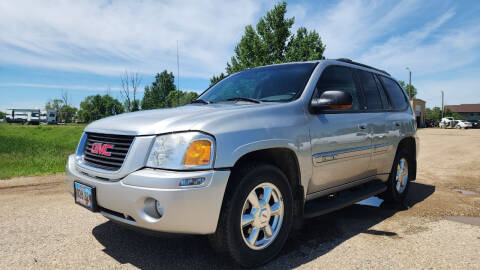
x,y
393,35
106,37
64,86
350,25
425,51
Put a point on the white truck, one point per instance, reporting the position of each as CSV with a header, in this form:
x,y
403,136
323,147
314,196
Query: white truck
x,y
48,116
24,116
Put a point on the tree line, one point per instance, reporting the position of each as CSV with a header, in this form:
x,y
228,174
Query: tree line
x,y
162,93
435,113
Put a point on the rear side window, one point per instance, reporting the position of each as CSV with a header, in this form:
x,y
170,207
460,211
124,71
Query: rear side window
x,y
338,78
395,93
370,90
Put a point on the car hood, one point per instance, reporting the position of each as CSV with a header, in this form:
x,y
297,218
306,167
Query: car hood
x,y
189,117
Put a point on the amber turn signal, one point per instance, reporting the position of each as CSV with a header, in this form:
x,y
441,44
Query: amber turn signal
x,y
198,153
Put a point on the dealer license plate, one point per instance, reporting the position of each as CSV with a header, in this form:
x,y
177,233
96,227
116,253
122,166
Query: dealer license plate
x,y
85,196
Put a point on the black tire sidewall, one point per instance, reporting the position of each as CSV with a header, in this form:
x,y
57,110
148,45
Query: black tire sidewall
x,y
242,253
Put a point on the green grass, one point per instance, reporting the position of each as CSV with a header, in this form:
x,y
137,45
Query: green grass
x,y
36,150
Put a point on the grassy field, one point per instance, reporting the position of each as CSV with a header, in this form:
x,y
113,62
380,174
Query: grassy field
x,y
36,150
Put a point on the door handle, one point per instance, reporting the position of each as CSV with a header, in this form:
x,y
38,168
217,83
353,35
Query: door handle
x,y
396,123
362,126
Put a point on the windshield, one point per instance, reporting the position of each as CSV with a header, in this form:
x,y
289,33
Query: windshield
x,y
272,83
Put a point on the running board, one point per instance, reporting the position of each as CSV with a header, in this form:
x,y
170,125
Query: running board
x,y
327,204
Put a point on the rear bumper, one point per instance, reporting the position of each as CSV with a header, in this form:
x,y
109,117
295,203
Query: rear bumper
x,y
189,210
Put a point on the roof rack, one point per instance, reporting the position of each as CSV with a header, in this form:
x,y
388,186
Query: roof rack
x,y
346,60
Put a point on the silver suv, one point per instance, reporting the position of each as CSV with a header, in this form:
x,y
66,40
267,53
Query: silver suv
x,y
255,152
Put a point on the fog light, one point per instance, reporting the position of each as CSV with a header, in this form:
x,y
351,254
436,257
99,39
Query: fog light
x,y
192,181
159,208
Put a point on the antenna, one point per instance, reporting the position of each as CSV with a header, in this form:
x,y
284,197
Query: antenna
x,y
178,76
178,70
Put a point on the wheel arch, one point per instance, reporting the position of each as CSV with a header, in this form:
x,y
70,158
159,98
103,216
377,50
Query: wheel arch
x,y
284,159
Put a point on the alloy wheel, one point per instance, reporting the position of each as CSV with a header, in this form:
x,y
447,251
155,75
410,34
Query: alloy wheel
x,y
401,178
262,216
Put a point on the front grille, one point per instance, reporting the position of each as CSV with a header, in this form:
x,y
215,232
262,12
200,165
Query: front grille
x,y
120,145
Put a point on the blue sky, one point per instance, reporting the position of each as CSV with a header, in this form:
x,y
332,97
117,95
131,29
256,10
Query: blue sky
x,y
83,46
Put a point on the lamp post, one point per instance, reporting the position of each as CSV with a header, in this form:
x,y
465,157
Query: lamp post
x,y
409,82
442,104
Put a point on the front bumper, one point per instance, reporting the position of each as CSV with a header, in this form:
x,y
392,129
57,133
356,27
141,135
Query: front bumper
x,y
189,210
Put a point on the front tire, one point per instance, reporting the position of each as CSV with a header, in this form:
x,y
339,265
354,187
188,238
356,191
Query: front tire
x,y
399,180
256,217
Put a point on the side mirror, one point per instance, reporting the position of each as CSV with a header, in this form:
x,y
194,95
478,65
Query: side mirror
x,y
332,99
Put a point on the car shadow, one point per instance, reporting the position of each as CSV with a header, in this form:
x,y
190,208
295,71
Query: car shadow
x,y
315,238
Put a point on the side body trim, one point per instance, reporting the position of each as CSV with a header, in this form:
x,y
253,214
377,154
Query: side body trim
x,y
350,153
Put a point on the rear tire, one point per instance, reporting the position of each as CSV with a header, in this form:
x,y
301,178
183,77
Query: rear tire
x,y
252,232
399,179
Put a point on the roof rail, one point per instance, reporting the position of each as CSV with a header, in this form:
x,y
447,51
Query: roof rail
x,y
346,60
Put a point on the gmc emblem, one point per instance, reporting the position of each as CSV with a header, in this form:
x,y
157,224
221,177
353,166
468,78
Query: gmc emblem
x,y
101,149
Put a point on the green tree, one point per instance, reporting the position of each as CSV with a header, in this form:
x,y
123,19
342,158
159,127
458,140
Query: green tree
x,y
67,113
305,46
3,115
216,79
435,113
179,98
156,94
272,42
54,104
173,99
188,97
96,107
449,113
135,105
410,89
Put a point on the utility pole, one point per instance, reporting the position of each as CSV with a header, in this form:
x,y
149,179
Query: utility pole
x,y
442,103
410,82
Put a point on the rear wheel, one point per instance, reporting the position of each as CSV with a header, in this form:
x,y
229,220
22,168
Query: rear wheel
x,y
399,179
256,217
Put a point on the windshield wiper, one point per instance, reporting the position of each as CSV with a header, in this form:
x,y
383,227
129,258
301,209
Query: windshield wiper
x,y
244,99
201,101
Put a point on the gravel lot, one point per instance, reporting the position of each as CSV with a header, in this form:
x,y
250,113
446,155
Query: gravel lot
x,y
41,227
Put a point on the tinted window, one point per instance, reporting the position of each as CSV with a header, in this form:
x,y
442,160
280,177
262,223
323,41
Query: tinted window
x,y
338,78
386,104
272,83
370,90
395,93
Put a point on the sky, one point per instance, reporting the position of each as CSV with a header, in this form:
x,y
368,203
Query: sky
x,y
83,47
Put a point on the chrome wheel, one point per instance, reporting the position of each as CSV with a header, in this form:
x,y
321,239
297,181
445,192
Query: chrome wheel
x,y
262,216
401,179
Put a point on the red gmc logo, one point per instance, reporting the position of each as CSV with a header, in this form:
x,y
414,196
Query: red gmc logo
x,y
101,149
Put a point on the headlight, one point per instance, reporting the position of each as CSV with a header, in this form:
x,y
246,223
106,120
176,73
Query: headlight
x,y
185,150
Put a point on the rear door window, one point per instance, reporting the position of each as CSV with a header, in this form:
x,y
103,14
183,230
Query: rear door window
x,y
395,93
372,95
339,78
